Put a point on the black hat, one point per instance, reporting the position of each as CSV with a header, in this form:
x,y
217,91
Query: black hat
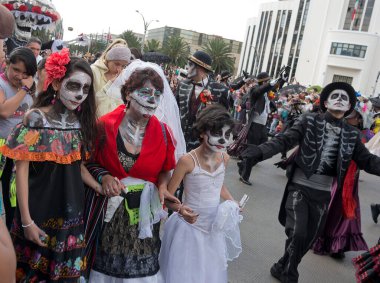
x,y
262,77
338,85
225,75
202,59
375,101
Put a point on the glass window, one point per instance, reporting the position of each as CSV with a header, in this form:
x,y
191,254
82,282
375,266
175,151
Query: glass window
x,y
344,79
345,49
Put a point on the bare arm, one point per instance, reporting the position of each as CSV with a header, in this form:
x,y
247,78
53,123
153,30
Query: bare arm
x,y
9,106
31,231
163,181
7,255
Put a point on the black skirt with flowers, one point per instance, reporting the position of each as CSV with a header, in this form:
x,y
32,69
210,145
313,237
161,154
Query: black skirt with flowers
x,y
56,202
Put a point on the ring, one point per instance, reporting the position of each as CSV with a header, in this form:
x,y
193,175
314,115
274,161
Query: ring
x,y
108,191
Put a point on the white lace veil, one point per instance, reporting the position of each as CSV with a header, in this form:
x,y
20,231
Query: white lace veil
x,y
167,111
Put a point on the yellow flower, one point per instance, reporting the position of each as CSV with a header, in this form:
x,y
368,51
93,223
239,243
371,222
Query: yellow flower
x,y
31,137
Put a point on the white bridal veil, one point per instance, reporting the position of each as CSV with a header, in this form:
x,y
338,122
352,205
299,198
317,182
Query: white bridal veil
x,y
167,111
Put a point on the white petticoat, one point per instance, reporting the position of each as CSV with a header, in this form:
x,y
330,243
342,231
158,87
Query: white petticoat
x,y
191,254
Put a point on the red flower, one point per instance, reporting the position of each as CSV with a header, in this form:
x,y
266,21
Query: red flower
x,y
57,147
55,66
23,8
205,96
54,17
37,9
9,6
41,147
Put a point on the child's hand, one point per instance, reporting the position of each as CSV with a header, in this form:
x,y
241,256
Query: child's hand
x,y
188,214
165,195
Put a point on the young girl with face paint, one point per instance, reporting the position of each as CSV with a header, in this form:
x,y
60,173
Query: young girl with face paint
x,y
49,146
194,246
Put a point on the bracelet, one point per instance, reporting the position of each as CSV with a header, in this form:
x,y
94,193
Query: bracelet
x,y
100,179
24,87
26,226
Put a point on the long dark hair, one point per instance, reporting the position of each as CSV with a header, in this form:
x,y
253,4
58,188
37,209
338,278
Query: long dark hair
x,y
87,114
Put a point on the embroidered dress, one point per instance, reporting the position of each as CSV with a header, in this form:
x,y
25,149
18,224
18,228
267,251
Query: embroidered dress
x,y
56,201
199,252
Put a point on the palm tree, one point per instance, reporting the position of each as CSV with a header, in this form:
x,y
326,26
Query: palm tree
x,y
152,45
131,39
220,54
177,49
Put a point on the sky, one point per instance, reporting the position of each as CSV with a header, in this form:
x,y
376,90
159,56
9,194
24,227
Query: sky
x,y
224,18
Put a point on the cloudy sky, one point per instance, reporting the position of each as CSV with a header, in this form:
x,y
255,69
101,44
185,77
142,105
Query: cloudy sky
x,y
224,18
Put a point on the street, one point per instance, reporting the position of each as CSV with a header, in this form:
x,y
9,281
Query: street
x,y
263,237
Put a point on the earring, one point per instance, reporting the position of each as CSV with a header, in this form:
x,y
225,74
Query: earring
x,y
79,108
127,104
54,100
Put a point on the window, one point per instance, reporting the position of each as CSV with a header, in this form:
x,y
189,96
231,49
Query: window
x,y
345,49
344,79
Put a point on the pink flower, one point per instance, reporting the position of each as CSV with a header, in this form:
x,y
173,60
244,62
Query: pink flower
x,y
71,241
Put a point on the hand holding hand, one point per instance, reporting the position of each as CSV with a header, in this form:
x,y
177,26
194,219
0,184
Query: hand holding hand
x,y
165,195
111,186
188,214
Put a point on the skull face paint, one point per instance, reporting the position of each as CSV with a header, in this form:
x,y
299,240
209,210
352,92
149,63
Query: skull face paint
x,y
146,99
192,70
338,100
219,140
75,89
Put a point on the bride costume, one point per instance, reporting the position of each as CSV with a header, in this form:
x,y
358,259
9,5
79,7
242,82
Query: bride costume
x,y
199,252
167,110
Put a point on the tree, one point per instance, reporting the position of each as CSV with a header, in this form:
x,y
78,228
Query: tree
x,y
220,54
152,45
131,39
177,49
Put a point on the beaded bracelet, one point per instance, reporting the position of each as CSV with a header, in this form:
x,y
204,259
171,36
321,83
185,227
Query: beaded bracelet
x,y
26,226
24,87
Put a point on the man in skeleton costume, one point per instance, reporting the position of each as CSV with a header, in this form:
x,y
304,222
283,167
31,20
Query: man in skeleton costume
x,y
326,147
194,93
258,117
29,15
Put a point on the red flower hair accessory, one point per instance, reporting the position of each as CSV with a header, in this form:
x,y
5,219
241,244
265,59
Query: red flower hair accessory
x,y
55,66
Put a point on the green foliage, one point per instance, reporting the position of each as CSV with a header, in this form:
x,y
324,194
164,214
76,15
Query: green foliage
x,y
177,49
131,39
152,45
220,54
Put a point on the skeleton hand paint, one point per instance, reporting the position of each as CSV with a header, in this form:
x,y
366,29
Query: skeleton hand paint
x,y
218,141
75,89
192,70
338,101
146,99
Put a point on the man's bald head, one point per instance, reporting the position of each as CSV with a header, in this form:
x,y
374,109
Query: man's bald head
x,y
7,22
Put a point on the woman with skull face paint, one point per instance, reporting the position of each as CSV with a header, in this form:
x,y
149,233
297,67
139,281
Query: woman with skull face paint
x,y
133,159
49,147
194,246
16,85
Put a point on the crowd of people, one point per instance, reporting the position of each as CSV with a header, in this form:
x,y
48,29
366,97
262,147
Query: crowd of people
x,y
95,152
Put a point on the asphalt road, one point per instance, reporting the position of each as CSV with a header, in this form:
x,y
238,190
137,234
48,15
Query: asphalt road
x,y
263,237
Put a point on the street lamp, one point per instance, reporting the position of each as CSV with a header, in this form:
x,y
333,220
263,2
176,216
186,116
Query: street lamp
x,y
146,25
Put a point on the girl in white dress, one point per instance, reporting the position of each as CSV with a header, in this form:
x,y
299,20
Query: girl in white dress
x,y
202,234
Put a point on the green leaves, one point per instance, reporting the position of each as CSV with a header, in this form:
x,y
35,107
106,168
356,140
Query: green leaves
x,y
131,39
177,49
220,54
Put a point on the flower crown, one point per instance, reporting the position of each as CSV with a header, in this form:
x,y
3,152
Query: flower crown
x,y
55,66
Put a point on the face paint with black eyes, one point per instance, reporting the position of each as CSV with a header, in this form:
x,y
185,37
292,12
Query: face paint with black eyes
x,y
338,100
75,89
219,140
146,99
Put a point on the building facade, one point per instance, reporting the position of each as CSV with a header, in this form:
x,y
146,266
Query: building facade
x,y
195,40
321,40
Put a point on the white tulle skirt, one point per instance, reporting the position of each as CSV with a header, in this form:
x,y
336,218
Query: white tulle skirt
x,y
199,253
